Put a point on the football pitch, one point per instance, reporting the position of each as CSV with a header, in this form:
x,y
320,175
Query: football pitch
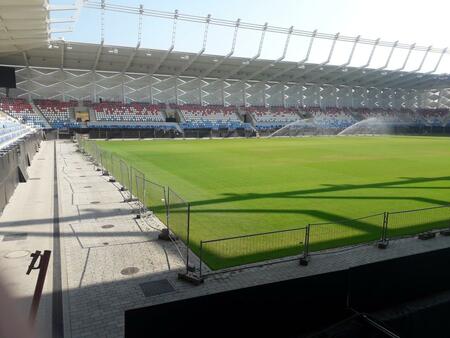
x,y
246,186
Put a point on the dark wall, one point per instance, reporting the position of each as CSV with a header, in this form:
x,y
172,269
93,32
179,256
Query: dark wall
x,y
296,307
280,309
7,77
13,165
381,285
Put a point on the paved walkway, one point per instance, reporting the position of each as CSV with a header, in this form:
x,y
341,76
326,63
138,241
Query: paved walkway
x,y
29,214
109,258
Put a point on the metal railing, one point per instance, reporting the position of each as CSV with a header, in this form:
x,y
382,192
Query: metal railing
x,y
331,235
172,210
247,249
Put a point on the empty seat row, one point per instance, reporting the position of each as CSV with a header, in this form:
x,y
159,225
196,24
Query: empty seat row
x,y
57,113
22,111
128,112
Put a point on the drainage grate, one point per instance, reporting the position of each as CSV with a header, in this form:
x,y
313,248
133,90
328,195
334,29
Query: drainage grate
x,y
157,287
83,176
15,237
107,226
95,202
34,178
87,186
131,270
105,243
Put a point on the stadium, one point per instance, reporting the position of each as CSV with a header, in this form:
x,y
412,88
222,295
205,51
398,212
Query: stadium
x,y
247,179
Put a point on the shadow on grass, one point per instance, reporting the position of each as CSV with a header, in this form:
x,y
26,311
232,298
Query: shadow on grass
x,y
230,197
245,250
336,233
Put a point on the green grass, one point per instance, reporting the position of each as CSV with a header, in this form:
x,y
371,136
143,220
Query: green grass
x,y
247,186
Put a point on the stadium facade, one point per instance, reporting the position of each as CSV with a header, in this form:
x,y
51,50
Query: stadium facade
x,y
68,70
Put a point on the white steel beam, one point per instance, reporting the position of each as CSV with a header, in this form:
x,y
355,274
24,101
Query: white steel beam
x,y
172,46
371,80
358,69
246,63
286,44
330,54
436,66
377,70
202,50
226,57
97,56
131,58
63,47
26,59
349,60
300,63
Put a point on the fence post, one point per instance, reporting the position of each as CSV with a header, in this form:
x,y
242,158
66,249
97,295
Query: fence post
x,y
188,268
304,260
168,208
122,176
190,275
112,179
383,243
165,232
99,158
131,182
104,164
201,259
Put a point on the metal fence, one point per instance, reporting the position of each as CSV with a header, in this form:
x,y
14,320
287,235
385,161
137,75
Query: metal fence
x,y
411,222
171,209
240,250
155,200
331,235
225,253
137,179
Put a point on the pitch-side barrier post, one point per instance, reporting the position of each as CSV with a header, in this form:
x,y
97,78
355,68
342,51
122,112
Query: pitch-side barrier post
x,y
201,260
304,260
190,274
383,243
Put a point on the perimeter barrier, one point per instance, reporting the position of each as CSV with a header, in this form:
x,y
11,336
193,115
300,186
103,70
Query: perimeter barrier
x,y
239,252
155,200
172,210
331,235
229,252
412,222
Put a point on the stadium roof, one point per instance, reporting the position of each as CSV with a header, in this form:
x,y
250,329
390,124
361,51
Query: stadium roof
x,y
26,42
23,24
99,57
26,24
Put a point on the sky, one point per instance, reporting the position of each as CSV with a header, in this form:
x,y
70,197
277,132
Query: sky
x,y
408,21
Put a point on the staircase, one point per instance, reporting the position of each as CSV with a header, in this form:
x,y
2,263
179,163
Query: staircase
x,y
92,116
180,118
39,113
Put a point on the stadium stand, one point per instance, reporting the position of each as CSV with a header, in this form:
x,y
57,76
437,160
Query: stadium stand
x,y
277,117
58,113
434,117
136,115
22,111
209,117
331,117
10,130
132,112
385,115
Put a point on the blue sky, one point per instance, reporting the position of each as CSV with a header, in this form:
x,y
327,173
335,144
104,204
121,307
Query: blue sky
x,y
423,22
